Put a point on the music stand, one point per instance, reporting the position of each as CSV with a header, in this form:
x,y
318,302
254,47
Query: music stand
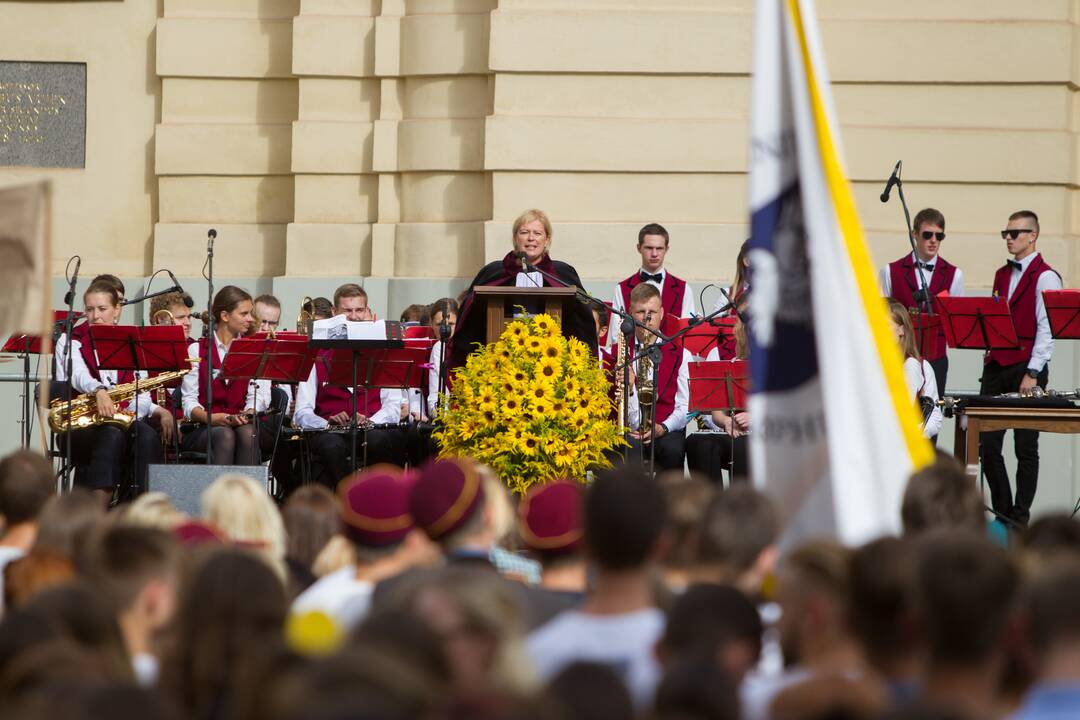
x,y
977,323
23,346
720,385
372,368
1063,312
283,359
927,334
128,347
702,337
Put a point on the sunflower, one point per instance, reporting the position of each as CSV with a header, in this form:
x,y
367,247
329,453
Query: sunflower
x,y
548,368
545,325
529,444
519,342
579,422
544,408
516,329
562,453
511,406
486,396
540,391
535,344
552,349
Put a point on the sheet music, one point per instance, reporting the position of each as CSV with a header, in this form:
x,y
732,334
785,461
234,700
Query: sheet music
x,y
338,328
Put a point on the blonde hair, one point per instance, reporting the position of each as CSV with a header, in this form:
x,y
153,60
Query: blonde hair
x,y
243,510
499,506
530,215
901,317
153,510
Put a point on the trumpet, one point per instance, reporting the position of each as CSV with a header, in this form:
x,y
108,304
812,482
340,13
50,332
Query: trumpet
x,y
305,319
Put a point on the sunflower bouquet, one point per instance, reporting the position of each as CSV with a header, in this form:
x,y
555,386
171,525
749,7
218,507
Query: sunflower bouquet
x,y
533,406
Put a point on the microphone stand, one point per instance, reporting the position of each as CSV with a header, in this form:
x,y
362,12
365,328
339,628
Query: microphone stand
x,y
924,299
211,345
69,329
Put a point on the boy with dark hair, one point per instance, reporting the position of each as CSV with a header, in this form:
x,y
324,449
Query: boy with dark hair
x,y
941,496
136,571
619,623
26,483
738,539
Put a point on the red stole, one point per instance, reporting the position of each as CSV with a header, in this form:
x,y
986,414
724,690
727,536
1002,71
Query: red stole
x,y
1022,306
333,399
671,294
230,396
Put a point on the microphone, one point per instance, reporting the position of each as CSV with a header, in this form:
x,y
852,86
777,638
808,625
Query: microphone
x,y
188,302
893,179
524,259
212,234
69,296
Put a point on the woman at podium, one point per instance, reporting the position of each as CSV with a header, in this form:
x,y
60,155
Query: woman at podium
x,y
531,243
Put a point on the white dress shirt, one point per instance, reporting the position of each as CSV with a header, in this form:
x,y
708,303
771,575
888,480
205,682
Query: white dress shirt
x,y
1043,346
529,280
435,361
258,397
688,305
82,381
306,393
922,380
677,419
956,289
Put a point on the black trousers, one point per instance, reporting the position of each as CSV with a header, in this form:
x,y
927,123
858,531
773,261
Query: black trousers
x,y
713,453
670,451
941,369
331,449
419,443
995,380
103,455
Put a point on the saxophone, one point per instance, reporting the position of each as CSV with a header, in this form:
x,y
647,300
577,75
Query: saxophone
x,y
620,389
646,391
84,412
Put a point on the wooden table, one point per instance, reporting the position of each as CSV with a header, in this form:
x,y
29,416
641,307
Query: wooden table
x,y
988,419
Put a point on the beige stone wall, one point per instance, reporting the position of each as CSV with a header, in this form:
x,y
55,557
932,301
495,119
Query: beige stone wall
x,y
399,138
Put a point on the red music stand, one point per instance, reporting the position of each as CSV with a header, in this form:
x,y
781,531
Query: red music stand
x,y
977,323
719,385
927,336
1063,312
286,360
27,345
700,339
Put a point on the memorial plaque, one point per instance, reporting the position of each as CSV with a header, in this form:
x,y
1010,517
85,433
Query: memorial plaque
x,y
42,114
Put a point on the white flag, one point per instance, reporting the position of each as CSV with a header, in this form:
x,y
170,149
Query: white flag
x,y
836,433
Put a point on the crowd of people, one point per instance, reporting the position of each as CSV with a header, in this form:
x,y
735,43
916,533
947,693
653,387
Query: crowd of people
x,y
431,593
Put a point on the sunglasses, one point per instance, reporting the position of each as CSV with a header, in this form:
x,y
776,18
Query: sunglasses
x,y
927,234
1013,234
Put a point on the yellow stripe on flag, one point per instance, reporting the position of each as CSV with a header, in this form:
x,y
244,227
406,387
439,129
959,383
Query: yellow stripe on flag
x,y
844,205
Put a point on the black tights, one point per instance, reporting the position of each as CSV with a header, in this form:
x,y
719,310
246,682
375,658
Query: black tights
x,y
231,445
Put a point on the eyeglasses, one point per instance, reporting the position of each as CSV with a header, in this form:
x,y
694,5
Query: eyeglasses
x,y
927,234
1013,234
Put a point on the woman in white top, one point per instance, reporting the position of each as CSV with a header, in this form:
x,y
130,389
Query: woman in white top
x,y
921,381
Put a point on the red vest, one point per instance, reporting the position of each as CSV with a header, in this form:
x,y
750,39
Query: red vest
x,y
82,334
1022,307
333,399
904,283
230,396
671,294
667,382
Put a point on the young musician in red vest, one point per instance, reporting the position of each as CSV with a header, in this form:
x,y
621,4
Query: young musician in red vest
x,y
671,390
903,279
101,453
320,406
1021,281
171,309
676,295
235,402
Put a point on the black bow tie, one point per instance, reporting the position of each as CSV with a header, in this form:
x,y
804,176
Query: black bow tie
x,y
646,277
929,267
1015,265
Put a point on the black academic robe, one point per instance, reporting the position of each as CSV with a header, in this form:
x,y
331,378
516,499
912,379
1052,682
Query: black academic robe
x,y
472,325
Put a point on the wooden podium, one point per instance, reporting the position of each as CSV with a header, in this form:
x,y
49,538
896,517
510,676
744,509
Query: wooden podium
x,y
500,303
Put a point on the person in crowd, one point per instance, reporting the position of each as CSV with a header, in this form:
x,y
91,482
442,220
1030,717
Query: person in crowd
x,y
242,509
918,372
322,308
688,496
941,496
104,453
375,511
619,623
172,309
235,402
415,313
587,690
154,510
813,591
696,688
137,570
532,236
722,442
444,315
26,484
671,393
677,297
717,623
266,314
739,292
884,613
550,523
1021,282
738,540
968,590
1053,621
321,405
918,277
232,608
1051,537
312,516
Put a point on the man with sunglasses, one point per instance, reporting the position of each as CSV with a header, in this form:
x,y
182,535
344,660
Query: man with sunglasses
x,y
1021,282
905,279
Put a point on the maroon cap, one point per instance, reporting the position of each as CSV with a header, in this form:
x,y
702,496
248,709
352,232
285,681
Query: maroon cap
x,y
444,497
196,532
375,506
550,516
